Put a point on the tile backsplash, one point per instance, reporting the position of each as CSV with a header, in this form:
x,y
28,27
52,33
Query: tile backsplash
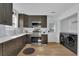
x,y
43,30
2,30
6,30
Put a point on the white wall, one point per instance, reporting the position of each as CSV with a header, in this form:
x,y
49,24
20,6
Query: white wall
x,y
15,19
68,13
54,36
69,24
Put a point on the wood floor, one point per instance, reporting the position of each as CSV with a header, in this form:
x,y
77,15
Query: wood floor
x,y
52,49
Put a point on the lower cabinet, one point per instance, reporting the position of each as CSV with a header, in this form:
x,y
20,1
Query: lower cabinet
x,y
44,39
28,39
0,49
21,42
12,47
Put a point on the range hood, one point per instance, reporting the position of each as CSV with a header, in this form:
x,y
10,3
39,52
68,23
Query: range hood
x,y
36,23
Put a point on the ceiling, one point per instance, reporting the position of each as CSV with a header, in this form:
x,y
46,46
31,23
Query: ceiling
x,y
54,9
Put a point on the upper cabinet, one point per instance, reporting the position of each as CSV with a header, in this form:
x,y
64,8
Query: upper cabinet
x,y
6,13
33,20
23,20
37,18
29,21
44,21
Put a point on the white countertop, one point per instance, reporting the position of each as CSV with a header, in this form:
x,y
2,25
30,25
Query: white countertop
x,y
10,37
6,38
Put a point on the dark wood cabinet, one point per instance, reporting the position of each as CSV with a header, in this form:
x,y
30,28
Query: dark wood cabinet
x,y
0,49
13,47
32,18
41,18
28,39
1,13
6,13
23,20
20,20
44,21
26,21
20,42
10,48
44,39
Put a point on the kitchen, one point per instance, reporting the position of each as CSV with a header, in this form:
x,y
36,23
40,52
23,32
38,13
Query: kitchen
x,y
23,25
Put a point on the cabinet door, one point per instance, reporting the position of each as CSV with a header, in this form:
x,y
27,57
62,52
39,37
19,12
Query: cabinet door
x,y
33,18
10,48
28,39
25,39
13,47
0,49
1,13
20,20
44,21
7,13
20,43
44,39
25,21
